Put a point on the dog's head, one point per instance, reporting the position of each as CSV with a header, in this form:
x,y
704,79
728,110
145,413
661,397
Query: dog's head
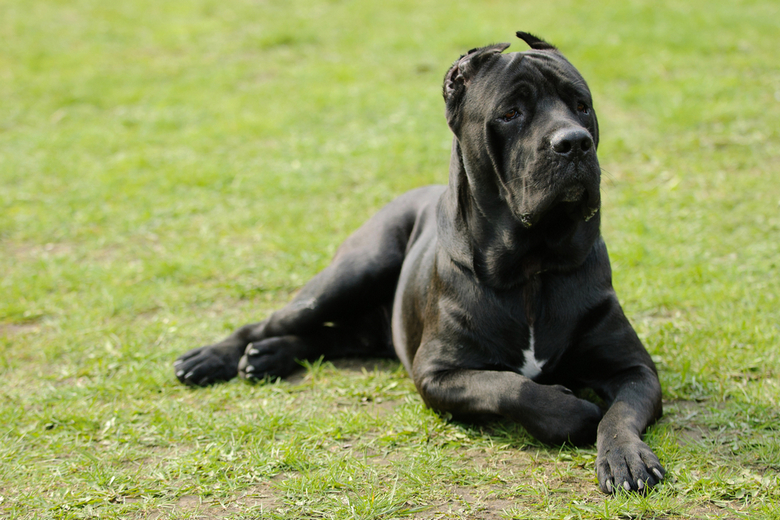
x,y
526,129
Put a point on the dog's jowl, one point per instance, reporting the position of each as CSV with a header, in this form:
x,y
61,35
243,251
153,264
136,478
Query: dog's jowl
x,y
494,291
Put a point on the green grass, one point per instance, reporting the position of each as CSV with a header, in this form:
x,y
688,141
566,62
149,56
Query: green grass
x,y
172,170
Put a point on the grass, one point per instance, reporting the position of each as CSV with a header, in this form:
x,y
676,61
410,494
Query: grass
x,y
172,170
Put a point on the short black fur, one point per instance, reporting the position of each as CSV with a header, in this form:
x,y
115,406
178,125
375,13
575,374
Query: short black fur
x,y
535,42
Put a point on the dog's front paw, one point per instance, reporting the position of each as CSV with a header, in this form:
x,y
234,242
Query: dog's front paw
x,y
206,365
558,416
627,463
272,357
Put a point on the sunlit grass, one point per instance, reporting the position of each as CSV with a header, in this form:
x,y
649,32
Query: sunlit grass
x,y
172,170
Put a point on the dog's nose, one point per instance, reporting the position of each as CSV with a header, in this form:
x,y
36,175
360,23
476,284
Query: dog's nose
x,y
571,142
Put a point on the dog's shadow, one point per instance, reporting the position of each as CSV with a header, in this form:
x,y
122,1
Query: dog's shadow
x,y
348,365
499,429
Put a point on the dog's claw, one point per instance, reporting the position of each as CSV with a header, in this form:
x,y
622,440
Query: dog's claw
x,y
626,486
252,352
640,485
249,368
658,474
180,373
608,484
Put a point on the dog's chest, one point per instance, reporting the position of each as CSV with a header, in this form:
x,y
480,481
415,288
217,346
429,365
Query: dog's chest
x,y
527,334
512,340
531,366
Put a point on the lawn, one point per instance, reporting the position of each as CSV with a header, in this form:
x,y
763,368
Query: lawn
x,y
172,170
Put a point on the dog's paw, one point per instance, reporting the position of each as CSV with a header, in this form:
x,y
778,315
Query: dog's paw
x,y
628,464
580,417
272,357
560,416
206,365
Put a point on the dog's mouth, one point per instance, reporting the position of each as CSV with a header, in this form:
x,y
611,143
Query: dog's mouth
x,y
575,201
573,193
580,202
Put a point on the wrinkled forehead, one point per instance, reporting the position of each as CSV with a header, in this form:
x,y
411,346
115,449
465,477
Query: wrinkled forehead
x,y
542,68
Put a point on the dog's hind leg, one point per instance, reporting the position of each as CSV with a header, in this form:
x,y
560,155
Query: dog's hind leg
x,y
276,356
329,315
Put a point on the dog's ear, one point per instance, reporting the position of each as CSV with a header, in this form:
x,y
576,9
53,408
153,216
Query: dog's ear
x,y
466,67
535,42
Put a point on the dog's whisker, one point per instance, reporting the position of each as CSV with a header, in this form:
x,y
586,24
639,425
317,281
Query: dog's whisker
x,y
609,176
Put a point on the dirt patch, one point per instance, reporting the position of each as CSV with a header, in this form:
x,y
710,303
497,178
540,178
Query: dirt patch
x,y
691,435
27,251
18,329
688,418
485,502
481,501
256,499
714,511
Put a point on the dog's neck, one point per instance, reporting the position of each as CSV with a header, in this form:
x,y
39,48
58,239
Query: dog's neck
x,y
481,234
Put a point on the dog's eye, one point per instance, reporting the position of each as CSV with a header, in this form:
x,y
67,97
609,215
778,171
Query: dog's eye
x,y
583,108
512,114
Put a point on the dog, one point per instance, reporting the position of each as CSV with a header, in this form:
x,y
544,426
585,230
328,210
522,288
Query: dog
x,y
494,291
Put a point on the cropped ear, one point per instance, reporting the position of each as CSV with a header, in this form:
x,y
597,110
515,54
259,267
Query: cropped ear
x,y
535,42
465,68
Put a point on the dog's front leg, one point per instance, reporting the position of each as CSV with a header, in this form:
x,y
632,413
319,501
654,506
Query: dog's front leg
x,y
623,459
551,413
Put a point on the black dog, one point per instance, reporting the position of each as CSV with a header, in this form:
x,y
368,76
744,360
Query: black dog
x,y
494,291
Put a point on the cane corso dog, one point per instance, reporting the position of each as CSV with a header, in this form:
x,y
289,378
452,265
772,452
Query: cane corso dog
x,y
494,291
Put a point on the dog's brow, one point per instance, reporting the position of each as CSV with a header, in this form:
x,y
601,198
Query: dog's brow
x,y
522,89
576,88
579,84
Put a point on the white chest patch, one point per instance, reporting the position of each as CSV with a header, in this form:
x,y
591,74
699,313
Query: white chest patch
x,y
531,367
